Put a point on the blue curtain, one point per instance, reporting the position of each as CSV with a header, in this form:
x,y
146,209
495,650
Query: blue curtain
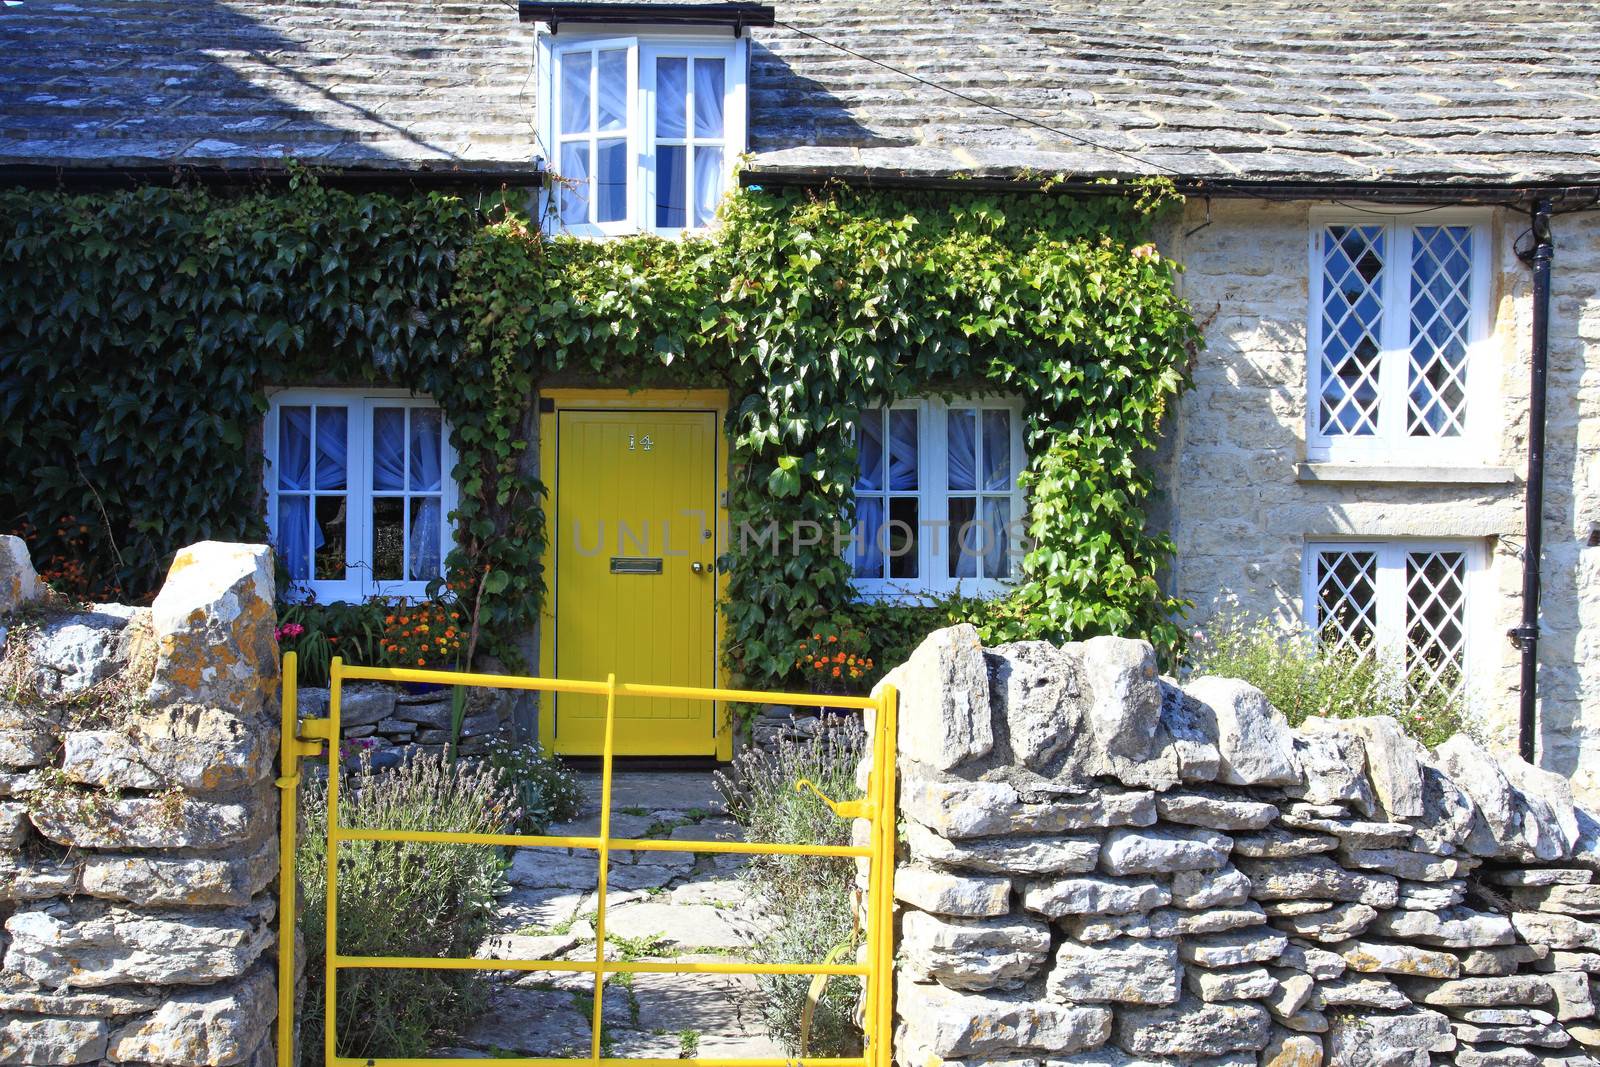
x,y
963,449
427,475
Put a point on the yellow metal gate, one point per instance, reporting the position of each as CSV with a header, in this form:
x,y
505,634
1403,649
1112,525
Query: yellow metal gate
x,y
306,738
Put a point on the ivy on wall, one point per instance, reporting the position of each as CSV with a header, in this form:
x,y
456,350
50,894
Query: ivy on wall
x,y
136,350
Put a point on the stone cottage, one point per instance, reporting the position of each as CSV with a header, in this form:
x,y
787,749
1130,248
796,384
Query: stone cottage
x,y
1390,238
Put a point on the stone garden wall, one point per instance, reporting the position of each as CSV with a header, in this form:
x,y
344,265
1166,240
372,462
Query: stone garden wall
x,y
1102,868
138,846
387,721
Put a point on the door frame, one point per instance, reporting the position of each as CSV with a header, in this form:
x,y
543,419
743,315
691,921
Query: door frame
x,y
551,402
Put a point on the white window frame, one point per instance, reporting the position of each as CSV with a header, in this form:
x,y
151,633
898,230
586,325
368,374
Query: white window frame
x,y
358,583
645,49
1392,611
1476,444
933,508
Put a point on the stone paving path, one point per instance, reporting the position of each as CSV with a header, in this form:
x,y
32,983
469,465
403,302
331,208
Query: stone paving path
x,y
659,906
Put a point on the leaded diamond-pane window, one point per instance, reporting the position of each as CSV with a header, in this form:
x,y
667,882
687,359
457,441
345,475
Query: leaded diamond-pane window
x,y
1436,623
1398,309
1347,598
1441,308
1405,602
1352,307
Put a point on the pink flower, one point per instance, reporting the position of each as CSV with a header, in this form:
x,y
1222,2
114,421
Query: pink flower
x,y
289,629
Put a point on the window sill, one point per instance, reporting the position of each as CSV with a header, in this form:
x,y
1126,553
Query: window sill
x,y
1404,474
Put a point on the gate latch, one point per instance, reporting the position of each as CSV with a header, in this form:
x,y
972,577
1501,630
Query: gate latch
x,y
846,809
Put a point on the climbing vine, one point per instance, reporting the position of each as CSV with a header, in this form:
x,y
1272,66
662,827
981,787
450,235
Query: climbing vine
x,y
145,326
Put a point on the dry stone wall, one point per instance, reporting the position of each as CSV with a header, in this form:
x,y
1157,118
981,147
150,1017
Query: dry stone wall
x,y
138,818
1102,867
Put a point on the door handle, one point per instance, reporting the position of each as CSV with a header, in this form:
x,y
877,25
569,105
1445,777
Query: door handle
x,y
697,567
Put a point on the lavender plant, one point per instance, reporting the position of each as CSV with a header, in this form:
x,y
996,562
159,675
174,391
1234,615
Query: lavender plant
x,y
806,900
401,899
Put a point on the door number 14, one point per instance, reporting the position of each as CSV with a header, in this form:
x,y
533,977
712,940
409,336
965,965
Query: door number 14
x,y
640,443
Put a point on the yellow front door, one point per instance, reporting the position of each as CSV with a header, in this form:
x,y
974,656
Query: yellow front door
x,y
635,585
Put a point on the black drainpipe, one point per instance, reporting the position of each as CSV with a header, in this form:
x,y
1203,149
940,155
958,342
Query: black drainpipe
x,y
1526,634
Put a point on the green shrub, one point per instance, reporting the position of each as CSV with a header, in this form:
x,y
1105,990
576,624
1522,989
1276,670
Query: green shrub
x,y
547,790
1301,679
319,632
805,900
401,899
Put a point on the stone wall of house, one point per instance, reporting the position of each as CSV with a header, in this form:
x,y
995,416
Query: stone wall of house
x,y
1100,867
1241,504
138,825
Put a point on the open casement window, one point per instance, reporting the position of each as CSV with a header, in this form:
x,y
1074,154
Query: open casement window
x,y
1398,327
937,503
1409,602
358,492
643,131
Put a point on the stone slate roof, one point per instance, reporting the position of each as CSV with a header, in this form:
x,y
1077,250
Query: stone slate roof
x,y
1383,90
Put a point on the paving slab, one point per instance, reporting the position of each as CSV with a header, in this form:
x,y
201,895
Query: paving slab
x,y
549,868
542,908
650,791
683,925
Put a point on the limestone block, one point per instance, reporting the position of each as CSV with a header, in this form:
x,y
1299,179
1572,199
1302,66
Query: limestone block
x,y
1289,1049
951,1025
230,878
1496,827
1194,746
1092,894
1001,855
972,954
206,749
1361,991
1161,850
1276,842
943,893
1550,795
1234,948
1566,899
213,622
17,994
957,808
1292,992
72,653
94,946
369,705
1448,814
1209,889
1415,866
1335,771
1125,711
1040,691
1166,922
219,1026
1253,740
1447,928
1393,760
25,876
1336,924
1124,971
13,824
1215,811
1434,896
1317,877
1574,999
1229,983
1388,957
1319,963
1536,876
175,820
54,1041
1507,960
26,747
1192,1028
1556,931
1509,991
1401,1040
19,582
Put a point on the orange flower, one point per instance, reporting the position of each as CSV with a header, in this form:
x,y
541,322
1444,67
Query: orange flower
x,y
836,672
839,658
421,662
388,618
833,639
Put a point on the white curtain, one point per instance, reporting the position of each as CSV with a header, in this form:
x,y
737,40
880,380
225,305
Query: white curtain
x,y
672,103
869,537
903,449
294,449
575,92
298,534
996,537
869,449
709,83
389,450
997,450
963,449
707,184
613,89
427,474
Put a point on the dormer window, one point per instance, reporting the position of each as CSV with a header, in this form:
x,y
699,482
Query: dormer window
x,y
642,130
